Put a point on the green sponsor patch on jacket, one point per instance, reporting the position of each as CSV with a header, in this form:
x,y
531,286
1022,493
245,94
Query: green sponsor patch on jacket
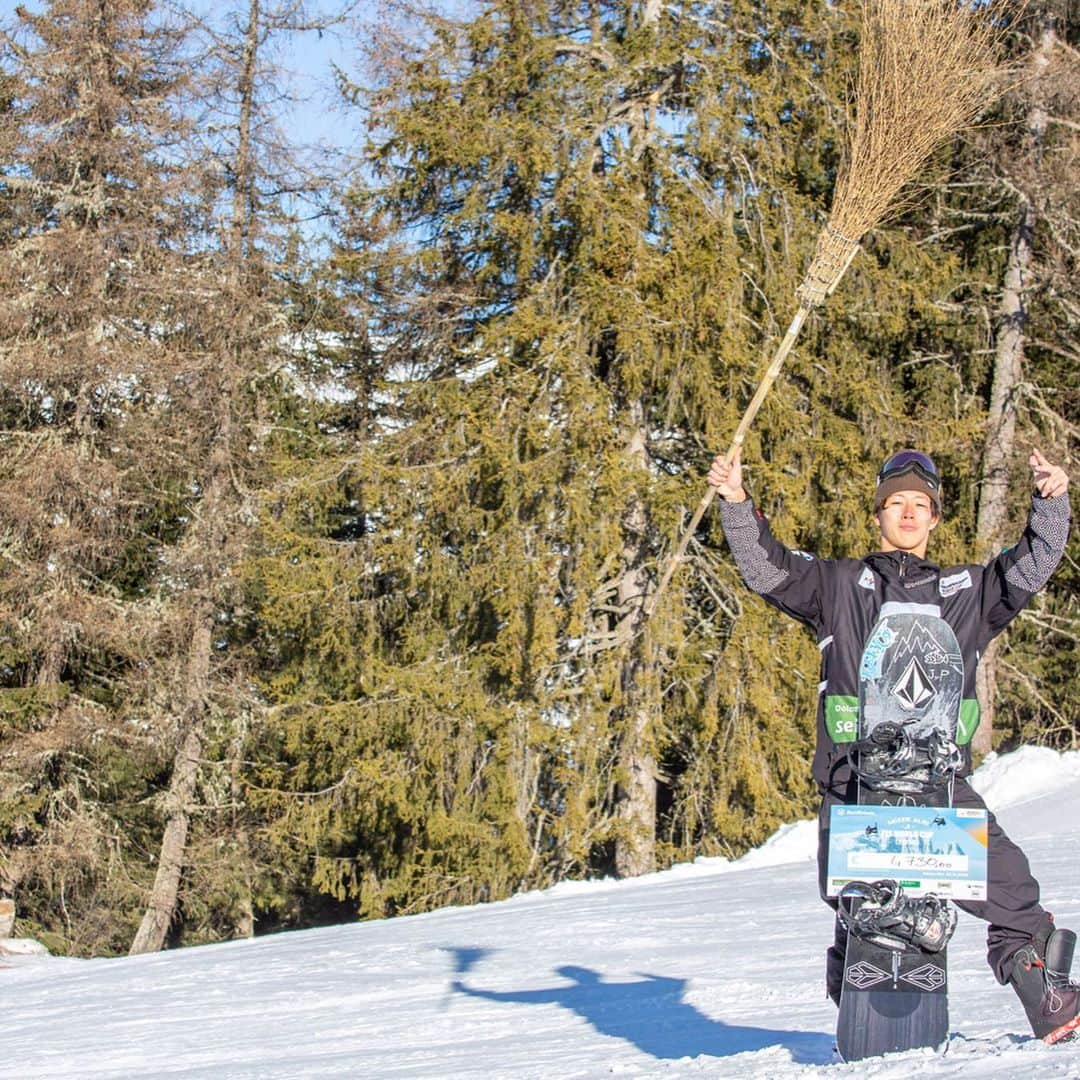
x,y
842,717
968,721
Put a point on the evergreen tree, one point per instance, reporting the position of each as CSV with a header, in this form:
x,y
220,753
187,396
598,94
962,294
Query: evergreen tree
x,y
584,227
1031,207
209,881
93,290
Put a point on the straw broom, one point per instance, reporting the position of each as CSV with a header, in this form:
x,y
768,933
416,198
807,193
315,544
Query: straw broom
x,y
927,68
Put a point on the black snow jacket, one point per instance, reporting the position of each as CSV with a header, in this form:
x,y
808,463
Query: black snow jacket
x,y
840,600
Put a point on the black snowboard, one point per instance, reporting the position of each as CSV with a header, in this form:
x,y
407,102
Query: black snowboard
x,y
912,673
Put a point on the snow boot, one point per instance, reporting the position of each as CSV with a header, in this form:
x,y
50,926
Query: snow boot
x,y
1040,977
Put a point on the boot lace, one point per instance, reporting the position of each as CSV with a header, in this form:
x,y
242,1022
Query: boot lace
x,y
1057,983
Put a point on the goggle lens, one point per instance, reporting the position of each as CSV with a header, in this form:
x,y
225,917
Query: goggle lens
x,y
908,461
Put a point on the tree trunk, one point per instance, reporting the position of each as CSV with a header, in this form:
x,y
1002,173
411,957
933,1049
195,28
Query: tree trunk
x,y
243,211
209,543
7,917
244,919
993,513
635,844
158,917
1001,421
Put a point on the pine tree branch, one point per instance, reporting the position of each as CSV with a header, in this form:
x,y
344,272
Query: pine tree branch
x,y
1063,625
1030,686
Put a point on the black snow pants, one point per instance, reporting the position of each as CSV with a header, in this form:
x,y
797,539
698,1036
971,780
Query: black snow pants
x,y
1011,906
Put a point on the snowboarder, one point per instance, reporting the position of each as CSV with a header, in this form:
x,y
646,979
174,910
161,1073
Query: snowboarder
x,y
839,599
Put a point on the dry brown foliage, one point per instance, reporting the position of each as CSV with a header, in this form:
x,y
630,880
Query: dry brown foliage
x,y
927,69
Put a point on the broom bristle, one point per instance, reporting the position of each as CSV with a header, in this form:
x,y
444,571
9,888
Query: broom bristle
x,y
927,69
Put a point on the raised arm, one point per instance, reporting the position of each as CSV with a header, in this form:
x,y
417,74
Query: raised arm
x,y
789,580
1019,572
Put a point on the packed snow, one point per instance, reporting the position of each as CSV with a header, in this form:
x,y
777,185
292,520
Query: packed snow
x,y
711,969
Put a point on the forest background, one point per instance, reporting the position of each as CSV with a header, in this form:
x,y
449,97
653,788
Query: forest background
x,y
333,487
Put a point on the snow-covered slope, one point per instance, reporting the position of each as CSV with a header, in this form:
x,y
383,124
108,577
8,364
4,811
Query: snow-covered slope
x,y
713,969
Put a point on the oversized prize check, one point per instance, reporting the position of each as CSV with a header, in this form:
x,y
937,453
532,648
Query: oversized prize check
x,y
926,849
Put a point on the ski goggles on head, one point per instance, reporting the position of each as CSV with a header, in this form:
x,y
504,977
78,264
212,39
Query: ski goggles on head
x,y
908,470
905,461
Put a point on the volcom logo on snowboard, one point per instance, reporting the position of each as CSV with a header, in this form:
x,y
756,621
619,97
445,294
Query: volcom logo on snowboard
x,y
929,977
863,975
914,689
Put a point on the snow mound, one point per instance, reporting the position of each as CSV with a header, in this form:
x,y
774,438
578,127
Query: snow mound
x,y
10,948
791,843
1024,775
796,842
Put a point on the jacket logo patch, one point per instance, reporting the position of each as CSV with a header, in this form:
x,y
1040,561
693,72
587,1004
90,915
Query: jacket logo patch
x,y
842,717
866,580
949,585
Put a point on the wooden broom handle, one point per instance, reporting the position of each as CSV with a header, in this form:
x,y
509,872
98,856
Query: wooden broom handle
x,y
740,434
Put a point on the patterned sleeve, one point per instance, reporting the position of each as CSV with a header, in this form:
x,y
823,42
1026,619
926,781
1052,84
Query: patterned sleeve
x,y
789,580
1019,572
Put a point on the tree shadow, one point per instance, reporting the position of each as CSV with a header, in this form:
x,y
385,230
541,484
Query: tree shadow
x,y
651,1014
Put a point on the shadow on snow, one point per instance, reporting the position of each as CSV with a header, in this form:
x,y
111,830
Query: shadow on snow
x,y
650,1013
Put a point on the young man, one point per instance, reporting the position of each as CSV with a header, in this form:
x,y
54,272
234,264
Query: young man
x,y
839,600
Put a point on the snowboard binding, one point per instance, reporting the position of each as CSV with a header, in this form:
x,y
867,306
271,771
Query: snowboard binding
x,y
891,759
882,913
